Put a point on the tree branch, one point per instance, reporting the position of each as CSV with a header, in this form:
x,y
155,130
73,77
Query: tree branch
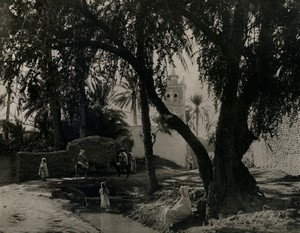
x,y
211,35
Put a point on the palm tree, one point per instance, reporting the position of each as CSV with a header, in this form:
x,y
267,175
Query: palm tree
x,y
198,111
128,96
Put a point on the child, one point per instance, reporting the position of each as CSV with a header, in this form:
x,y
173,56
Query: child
x,y
43,169
104,196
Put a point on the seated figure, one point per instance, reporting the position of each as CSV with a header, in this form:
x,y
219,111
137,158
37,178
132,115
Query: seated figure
x,y
180,211
82,160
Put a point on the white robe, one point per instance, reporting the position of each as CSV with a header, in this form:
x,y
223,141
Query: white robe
x,y
104,198
180,211
43,170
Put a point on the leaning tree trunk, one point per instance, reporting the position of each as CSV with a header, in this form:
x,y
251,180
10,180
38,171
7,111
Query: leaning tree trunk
x,y
174,122
144,70
142,64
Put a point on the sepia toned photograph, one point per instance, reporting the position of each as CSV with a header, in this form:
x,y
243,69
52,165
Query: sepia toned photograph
x,y
149,116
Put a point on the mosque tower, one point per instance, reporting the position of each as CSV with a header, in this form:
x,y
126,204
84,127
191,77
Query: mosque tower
x,y
174,97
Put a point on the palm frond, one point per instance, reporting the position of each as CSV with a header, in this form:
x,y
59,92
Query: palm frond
x,y
196,100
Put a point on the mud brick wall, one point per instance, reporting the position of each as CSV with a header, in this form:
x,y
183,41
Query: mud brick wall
x,y
101,150
281,152
61,163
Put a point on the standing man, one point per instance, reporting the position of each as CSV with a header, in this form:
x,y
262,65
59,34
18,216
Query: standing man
x,y
122,162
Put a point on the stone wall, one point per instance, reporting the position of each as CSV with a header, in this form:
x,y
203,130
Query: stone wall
x,y
59,164
281,152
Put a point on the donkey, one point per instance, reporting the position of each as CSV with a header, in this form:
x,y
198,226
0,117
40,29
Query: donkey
x,y
86,168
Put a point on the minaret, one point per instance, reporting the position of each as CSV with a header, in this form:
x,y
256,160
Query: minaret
x,y
175,95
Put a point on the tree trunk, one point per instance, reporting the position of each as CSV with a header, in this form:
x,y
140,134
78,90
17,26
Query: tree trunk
x,y
52,83
82,128
197,122
147,139
134,109
146,124
8,103
232,187
82,110
56,117
82,65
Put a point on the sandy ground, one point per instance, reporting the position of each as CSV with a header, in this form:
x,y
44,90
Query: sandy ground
x,y
28,207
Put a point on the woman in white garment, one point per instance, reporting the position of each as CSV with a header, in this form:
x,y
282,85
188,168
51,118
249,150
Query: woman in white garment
x,y
180,211
43,169
104,196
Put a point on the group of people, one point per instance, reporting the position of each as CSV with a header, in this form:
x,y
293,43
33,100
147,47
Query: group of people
x,y
180,211
125,162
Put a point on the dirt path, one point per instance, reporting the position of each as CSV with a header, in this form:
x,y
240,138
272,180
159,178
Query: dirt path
x,y
28,207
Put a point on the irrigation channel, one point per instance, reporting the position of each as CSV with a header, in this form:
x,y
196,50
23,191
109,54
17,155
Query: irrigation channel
x,y
114,223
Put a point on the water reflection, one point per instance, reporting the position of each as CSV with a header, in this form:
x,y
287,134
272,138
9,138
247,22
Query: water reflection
x,y
115,223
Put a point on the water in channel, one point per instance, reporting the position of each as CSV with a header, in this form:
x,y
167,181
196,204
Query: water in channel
x,y
115,223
